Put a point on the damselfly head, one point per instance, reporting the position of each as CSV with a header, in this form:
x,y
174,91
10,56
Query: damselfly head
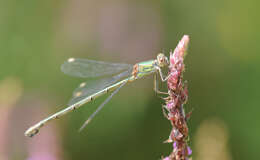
x,y
162,60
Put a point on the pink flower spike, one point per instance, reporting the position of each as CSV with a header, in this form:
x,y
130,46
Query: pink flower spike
x,y
178,96
179,51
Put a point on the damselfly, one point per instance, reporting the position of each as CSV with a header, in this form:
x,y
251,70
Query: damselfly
x,y
123,73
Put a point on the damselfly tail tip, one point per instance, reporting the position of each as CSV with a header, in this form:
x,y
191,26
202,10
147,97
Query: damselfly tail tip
x,y
31,132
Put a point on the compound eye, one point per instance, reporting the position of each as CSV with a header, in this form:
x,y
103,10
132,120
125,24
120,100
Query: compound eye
x,y
162,60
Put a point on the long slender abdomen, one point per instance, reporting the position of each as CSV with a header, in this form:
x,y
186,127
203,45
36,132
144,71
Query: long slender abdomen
x,y
35,129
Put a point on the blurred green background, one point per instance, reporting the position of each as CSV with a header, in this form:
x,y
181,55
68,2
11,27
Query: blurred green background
x,y
222,69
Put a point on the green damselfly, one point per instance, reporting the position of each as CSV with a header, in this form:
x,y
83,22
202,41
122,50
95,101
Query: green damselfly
x,y
123,73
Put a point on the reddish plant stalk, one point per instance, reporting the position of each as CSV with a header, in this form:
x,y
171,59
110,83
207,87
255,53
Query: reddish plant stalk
x,y
178,95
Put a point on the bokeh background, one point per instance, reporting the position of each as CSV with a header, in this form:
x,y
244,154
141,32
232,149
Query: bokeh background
x,y
222,69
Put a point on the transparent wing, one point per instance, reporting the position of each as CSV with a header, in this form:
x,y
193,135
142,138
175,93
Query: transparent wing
x,y
90,68
100,107
88,88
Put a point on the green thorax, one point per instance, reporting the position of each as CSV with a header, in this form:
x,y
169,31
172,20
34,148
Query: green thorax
x,y
146,67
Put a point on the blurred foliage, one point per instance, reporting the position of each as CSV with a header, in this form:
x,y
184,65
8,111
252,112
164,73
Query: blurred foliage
x,y
222,69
